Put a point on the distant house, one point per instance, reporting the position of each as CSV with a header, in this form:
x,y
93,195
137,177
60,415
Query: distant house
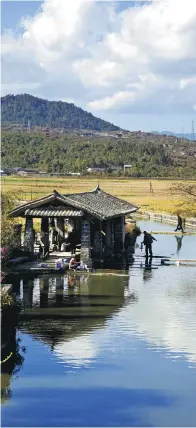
x,y
99,169
95,169
127,167
25,172
74,173
3,173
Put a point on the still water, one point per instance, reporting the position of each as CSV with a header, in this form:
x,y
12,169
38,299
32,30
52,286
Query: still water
x,y
107,350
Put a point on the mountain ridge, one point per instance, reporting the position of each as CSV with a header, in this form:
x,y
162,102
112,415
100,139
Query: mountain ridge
x,y
22,108
186,136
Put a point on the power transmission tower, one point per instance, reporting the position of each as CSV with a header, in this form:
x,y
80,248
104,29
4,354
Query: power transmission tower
x,y
193,130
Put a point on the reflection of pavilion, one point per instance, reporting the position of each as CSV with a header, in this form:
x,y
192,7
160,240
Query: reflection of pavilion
x,y
64,307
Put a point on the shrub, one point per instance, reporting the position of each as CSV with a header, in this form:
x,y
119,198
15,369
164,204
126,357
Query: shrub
x,y
132,228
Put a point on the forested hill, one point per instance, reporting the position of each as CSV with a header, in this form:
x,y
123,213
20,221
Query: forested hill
x,y
70,152
19,109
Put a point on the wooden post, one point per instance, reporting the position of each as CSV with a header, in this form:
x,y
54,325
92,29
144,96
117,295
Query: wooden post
x,y
78,225
123,230
118,234
113,238
45,225
29,235
45,230
86,242
109,240
101,241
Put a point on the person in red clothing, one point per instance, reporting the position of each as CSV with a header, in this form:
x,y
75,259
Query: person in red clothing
x,y
73,264
72,240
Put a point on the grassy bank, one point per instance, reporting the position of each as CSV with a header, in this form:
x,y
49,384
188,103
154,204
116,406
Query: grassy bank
x,y
136,191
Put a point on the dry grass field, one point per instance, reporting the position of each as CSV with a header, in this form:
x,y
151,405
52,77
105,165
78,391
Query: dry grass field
x,y
136,191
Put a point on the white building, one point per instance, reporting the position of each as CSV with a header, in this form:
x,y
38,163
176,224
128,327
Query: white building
x,y
127,167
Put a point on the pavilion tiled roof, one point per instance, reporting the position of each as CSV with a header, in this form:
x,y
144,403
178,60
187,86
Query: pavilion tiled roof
x,y
97,203
101,204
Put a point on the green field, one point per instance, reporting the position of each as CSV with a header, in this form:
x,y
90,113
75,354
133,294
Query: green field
x,y
136,191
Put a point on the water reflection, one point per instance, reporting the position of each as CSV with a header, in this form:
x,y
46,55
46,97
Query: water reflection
x,y
121,344
165,312
67,308
179,243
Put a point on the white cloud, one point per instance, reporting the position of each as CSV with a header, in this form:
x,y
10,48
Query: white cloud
x,y
141,59
169,306
80,351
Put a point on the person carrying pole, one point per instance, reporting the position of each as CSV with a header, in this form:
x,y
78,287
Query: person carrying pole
x,y
179,225
148,240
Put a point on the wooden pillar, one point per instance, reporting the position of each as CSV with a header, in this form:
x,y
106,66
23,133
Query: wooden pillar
x,y
123,230
78,225
109,237
113,237
45,225
29,235
86,242
118,234
45,234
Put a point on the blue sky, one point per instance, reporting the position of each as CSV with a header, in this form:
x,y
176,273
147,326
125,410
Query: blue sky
x,y
128,66
12,11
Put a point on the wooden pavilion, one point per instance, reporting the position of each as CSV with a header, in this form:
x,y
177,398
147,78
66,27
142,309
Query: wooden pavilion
x,y
98,219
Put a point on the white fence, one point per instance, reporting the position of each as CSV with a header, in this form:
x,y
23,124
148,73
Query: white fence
x,y
189,222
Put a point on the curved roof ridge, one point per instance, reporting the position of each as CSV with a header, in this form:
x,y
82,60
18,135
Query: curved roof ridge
x,y
118,199
82,193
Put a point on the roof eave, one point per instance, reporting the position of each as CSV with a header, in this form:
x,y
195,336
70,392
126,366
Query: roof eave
x,y
133,210
19,211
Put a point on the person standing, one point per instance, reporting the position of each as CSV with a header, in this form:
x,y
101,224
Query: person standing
x,y
179,225
72,240
44,244
148,240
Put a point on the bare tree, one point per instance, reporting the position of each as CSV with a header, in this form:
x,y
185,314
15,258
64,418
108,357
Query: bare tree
x,y
188,190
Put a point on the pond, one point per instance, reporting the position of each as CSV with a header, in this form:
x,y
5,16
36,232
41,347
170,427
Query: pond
x,y
107,350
